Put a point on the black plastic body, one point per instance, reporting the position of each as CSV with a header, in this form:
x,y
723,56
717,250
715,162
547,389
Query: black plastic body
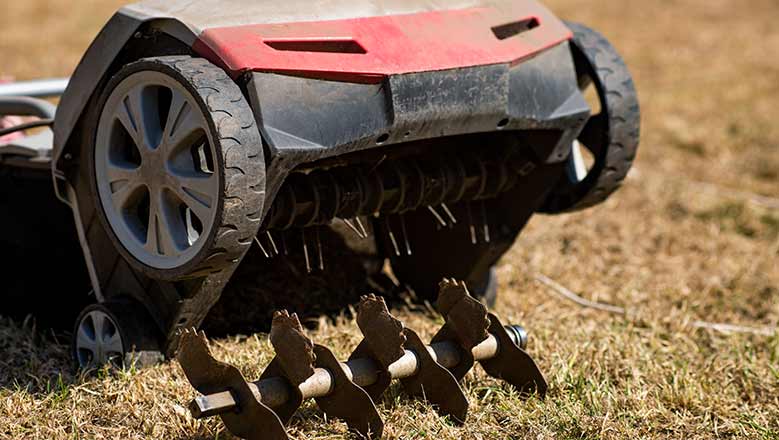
x,y
310,123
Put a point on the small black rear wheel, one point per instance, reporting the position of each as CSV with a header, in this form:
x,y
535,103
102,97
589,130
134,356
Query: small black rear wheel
x,y
610,137
119,333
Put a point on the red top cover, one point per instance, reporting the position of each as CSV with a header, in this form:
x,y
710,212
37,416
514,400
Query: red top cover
x,y
369,49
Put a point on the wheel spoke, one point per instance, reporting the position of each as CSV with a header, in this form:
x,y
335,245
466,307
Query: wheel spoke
x,y
113,344
85,341
119,173
141,120
593,134
203,186
160,236
124,194
153,236
183,123
130,114
124,184
98,321
195,194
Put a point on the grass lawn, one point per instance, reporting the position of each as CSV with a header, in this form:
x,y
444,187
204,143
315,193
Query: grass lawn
x,y
693,236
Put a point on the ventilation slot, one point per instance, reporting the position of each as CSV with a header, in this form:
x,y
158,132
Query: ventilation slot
x,y
506,31
320,46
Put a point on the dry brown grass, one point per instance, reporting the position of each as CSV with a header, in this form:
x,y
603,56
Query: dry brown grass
x,y
665,247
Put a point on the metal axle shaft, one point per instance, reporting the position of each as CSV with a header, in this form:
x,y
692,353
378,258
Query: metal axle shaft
x,y
274,392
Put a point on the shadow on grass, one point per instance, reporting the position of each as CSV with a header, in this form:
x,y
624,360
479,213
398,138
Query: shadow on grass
x,y
35,330
34,361
262,286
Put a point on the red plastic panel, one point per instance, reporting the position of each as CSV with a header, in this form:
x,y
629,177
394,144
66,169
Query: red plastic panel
x,y
368,49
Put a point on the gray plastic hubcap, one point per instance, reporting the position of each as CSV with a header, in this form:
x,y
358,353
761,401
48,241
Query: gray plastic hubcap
x,y
98,341
155,170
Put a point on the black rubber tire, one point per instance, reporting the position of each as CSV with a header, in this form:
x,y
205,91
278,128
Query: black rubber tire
x,y
597,60
240,160
139,333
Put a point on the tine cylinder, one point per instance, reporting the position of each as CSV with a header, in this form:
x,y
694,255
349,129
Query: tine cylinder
x,y
383,342
314,371
512,364
275,390
253,420
287,398
466,323
294,360
346,400
376,378
302,370
433,382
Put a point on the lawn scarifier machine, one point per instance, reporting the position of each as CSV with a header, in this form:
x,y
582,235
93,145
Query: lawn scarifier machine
x,y
191,131
348,390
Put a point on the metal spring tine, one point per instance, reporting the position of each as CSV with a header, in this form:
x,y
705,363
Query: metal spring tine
x,y
486,223
437,216
272,242
362,227
353,227
262,248
392,237
449,214
405,234
284,247
377,164
319,248
471,227
305,251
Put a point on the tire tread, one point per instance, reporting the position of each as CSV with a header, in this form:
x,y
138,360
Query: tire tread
x,y
624,120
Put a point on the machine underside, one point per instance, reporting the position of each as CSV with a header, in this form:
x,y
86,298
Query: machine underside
x,y
443,184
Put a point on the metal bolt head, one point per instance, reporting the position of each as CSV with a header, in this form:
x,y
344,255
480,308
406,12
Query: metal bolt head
x,y
519,335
